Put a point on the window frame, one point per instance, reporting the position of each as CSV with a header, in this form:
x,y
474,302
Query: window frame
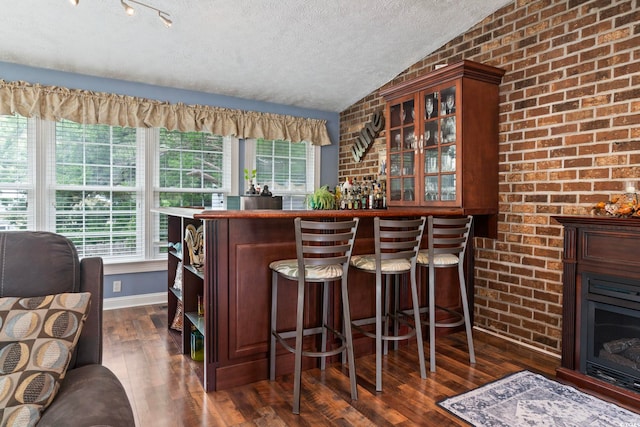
x,y
250,163
153,189
137,189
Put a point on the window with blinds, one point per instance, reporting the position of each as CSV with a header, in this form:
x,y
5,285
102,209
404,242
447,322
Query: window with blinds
x,y
97,184
287,168
192,166
98,192
16,183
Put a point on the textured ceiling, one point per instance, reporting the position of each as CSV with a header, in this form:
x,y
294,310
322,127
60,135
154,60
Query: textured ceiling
x,y
323,55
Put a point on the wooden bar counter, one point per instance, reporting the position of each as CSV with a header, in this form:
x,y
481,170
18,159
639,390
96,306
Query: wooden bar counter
x,y
239,245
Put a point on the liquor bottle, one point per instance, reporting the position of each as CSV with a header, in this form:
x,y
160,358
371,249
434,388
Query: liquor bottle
x,y
377,201
372,192
383,189
365,194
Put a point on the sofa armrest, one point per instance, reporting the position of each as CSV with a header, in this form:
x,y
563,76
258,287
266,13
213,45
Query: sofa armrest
x,y
89,349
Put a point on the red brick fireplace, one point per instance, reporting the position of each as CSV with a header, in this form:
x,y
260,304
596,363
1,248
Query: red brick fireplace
x,y
601,306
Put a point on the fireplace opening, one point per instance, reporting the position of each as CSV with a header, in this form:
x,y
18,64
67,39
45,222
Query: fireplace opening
x,y
611,330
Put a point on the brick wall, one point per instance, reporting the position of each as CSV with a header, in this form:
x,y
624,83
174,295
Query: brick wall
x,y
569,136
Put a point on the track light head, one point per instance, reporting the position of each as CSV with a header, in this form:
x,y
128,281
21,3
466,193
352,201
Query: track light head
x,y
127,8
165,19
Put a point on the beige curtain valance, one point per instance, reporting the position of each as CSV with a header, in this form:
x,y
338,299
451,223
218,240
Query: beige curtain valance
x,y
82,106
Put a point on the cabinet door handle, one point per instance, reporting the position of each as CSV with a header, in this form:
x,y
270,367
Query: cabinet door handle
x,y
421,143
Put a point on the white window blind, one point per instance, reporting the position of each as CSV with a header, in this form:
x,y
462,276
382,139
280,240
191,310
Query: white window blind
x,y
98,201
16,183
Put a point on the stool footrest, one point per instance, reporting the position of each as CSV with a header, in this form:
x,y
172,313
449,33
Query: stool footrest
x,y
283,336
358,325
451,324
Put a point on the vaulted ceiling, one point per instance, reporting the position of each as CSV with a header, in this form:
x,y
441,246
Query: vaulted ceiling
x,y
323,55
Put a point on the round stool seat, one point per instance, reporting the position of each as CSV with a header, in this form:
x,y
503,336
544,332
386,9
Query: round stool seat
x,y
438,259
368,263
289,269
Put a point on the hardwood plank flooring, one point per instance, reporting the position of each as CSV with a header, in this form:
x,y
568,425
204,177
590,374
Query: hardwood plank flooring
x,y
165,391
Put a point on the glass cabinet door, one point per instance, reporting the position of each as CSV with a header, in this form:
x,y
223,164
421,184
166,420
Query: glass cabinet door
x,y
439,145
402,151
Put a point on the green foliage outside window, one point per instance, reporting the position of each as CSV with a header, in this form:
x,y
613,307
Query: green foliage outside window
x,y
190,160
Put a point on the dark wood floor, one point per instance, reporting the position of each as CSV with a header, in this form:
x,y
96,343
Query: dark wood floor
x,y
164,390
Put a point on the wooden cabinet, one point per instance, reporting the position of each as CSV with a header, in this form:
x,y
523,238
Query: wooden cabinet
x,y
442,139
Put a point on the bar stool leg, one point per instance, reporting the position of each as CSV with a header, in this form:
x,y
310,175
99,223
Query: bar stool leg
x,y
387,312
349,338
298,352
396,309
432,320
467,317
325,321
378,332
418,325
274,306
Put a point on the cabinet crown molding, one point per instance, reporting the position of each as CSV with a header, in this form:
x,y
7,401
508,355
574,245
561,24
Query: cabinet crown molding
x,y
464,68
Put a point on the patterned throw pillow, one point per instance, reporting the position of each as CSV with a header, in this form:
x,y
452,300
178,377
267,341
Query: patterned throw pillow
x,y
37,338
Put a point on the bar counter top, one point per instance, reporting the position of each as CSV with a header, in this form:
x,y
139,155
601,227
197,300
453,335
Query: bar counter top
x,y
327,213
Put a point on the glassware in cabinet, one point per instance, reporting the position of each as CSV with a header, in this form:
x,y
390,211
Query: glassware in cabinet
x,y
402,145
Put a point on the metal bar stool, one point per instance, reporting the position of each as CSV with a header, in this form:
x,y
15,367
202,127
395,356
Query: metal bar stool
x,y
397,243
323,252
447,243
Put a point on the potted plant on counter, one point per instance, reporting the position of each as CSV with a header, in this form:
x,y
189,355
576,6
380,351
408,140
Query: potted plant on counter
x,y
249,175
321,198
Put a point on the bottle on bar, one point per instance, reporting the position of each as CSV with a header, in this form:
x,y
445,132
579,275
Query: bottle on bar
x,y
372,190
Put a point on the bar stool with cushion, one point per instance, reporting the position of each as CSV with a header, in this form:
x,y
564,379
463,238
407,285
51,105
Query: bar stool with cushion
x,y
447,243
323,251
397,242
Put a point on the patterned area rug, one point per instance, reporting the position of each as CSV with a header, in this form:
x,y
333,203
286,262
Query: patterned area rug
x,y
528,399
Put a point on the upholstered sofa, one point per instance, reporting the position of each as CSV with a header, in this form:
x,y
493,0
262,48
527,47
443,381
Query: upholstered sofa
x,y
34,264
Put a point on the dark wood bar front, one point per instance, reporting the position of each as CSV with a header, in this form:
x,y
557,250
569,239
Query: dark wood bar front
x,y
239,246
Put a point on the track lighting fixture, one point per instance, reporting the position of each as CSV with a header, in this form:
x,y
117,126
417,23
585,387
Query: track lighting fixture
x,y
167,22
164,16
129,10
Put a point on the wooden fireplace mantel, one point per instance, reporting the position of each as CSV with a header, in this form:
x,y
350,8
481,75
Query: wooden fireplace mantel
x,y
601,245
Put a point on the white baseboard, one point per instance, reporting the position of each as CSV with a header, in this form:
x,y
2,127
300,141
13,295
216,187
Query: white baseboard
x,y
520,343
134,300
